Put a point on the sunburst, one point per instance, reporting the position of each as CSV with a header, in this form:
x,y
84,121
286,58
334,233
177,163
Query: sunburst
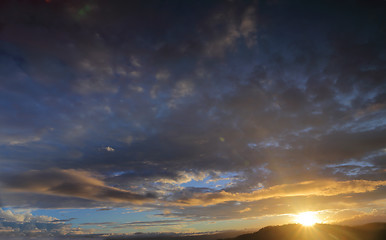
x,y
307,218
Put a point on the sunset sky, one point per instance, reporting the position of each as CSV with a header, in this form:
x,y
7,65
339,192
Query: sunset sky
x,y
190,116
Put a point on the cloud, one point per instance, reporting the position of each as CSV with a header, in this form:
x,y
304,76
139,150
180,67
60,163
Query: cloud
x,y
183,177
109,149
16,139
73,183
10,216
162,75
310,188
224,29
361,217
135,61
245,210
248,26
263,209
181,89
25,224
219,46
137,224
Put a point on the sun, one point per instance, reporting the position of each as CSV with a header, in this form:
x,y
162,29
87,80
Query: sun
x,y
307,218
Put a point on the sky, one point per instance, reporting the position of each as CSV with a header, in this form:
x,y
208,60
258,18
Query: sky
x,y
119,117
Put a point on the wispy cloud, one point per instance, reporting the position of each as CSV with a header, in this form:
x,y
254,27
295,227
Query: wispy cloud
x,y
310,188
74,183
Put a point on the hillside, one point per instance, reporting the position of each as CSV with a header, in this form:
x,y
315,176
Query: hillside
x,y
373,231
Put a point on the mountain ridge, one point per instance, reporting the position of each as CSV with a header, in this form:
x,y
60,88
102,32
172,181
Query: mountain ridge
x,y
370,231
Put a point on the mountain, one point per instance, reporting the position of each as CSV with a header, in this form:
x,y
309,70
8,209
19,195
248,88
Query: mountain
x,y
177,236
372,231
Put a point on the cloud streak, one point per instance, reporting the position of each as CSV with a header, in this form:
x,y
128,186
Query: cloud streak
x,y
310,188
74,183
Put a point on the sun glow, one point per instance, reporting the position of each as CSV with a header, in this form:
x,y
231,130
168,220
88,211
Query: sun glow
x,y
307,218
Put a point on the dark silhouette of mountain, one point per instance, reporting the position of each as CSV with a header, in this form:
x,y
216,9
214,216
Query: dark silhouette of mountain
x,y
177,236
372,231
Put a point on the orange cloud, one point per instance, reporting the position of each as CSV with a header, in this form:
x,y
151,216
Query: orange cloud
x,y
245,210
313,188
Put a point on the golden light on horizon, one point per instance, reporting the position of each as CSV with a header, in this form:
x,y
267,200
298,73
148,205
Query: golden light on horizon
x,y
307,218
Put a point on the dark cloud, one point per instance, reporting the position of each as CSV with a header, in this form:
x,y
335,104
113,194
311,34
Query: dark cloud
x,y
70,183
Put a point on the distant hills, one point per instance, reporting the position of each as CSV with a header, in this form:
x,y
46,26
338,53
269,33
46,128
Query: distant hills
x,y
372,231
178,236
